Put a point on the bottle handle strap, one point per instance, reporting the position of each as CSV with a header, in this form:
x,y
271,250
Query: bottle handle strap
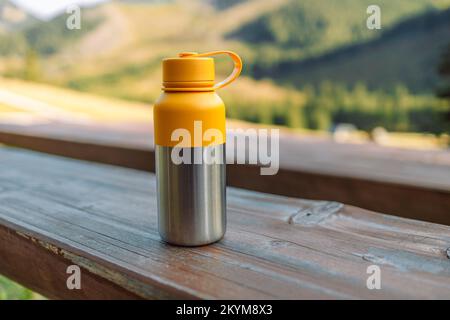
x,y
234,74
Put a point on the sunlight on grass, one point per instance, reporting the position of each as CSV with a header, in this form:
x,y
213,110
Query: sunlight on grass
x,y
7,109
93,106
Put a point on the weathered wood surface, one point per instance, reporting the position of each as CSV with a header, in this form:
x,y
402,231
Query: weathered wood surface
x,y
368,176
56,212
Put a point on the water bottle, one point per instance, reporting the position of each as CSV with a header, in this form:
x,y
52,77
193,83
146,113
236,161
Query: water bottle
x,y
190,135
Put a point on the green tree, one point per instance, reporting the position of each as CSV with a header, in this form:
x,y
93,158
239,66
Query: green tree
x,y
444,71
32,67
402,102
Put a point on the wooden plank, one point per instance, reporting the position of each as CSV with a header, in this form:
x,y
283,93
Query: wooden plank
x,y
368,176
46,272
56,212
119,155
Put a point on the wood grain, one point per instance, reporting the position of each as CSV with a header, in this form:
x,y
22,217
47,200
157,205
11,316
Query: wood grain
x,y
368,176
56,212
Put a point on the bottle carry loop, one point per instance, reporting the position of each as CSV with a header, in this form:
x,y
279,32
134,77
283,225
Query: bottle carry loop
x,y
236,60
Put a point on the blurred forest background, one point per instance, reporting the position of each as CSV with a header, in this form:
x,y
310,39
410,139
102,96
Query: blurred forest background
x,y
308,63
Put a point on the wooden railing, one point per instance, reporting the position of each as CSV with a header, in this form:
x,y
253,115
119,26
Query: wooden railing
x,y
58,212
406,183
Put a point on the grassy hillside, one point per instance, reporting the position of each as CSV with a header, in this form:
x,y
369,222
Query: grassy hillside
x,y
407,54
69,105
306,28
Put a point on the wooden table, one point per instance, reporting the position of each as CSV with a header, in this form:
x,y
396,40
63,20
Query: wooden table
x,y
56,212
369,176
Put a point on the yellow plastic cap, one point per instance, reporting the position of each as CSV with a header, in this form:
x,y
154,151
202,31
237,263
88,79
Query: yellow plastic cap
x,y
192,71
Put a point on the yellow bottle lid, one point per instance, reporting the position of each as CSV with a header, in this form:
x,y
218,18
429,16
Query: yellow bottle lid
x,y
192,71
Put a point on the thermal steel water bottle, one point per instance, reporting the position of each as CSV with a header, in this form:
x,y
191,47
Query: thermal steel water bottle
x,y
189,119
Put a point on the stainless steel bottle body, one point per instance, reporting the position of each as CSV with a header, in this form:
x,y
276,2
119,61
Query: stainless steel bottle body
x,y
191,197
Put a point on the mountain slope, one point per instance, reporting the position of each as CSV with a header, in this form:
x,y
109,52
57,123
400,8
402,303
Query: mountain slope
x,y
408,53
13,17
309,27
119,49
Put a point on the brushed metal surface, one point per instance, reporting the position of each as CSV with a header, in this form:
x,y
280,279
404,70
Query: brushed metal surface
x,y
191,198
